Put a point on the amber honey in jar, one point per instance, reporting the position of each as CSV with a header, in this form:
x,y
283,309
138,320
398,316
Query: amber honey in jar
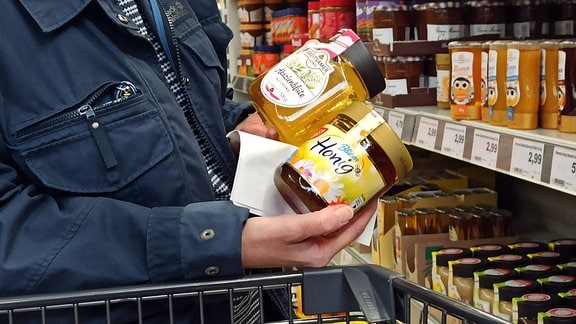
x,y
461,278
525,308
523,84
505,291
352,159
484,280
443,77
549,99
311,86
497,112
567,86
466,80
427,220
440,267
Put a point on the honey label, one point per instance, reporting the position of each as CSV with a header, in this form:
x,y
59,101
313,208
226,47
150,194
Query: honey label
x,y
492,80
298,79
462,81
512,81
337,166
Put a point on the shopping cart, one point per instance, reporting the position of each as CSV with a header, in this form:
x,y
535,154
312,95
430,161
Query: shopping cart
x,y
343,294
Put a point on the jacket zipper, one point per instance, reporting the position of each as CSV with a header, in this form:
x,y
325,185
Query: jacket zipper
x,y
123,92
193,120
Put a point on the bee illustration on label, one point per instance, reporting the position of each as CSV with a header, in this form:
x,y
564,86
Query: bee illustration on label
x,y
462,91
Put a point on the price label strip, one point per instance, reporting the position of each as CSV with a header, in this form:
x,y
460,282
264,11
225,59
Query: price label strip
x,y
453,140
485,148
527,158
396,122
563,168
427,131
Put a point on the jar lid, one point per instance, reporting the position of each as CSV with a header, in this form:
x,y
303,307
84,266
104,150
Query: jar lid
x,y
488,277
515,288
536,271
267,48
508,260
443,58
384,136
527,247
566,247
405,212
560,315
367,67
568,268
546,257
337,3
568,298
557,283
465,267
313,5
450,254
488,250
529,305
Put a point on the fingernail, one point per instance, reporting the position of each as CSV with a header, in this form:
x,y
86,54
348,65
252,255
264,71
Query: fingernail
x,y
344,213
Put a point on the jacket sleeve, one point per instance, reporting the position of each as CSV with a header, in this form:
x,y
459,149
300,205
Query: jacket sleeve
x,y
52,243
234,112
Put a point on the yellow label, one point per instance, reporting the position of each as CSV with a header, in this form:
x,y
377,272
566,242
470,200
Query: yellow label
x,y
337,166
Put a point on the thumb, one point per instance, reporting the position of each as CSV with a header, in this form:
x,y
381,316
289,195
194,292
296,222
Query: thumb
x,y
329,219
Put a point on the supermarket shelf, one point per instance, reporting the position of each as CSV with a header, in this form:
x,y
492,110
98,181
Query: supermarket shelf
x,y
542,156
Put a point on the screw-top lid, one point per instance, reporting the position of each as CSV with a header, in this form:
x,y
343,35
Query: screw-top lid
x,y
560,315
566,247
536,271
569,298
568,268
527,247
557,283
546,257
489,250
450,254
488,277
465,267
529,305
367,67
515,288
510,261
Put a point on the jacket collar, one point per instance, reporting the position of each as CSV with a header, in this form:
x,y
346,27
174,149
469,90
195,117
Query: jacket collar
x,y
52,14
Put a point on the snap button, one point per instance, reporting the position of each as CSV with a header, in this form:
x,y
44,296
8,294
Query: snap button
x,y
122,18
212,271
207,234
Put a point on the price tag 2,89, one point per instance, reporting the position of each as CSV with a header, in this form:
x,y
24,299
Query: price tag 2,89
x,y
427,131
563,168
485,148
527,158
396,122
453,140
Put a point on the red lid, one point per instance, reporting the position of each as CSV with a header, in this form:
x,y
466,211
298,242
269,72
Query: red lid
x,y
313,5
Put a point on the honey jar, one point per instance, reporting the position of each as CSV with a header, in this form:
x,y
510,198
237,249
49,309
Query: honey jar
x,y
466,97
351,160
549,102
497,83
309,87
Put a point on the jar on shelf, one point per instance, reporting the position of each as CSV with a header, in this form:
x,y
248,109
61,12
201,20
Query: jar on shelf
x,y
489,250
445,21
335,15
558,315
549,102
314,19
271,6
466,97
567,86
566,247
402,73
487,18
509,261
568,268
497,60
251,11
319,174
440,268
536,271
525,308
443,80
426,219
461,278
523,19
523,84
563,18
392,23
557,283
484,280
546,257
526,247
264,57
251,35
505,291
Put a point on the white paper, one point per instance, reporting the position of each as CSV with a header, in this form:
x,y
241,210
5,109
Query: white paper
x,y
254,186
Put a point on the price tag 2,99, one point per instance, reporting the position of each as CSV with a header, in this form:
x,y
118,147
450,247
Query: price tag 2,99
x,y
527,158
454,139
396,122
427,131
563,168
485,148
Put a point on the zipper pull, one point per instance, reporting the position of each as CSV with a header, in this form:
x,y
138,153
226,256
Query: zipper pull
x,y
100,136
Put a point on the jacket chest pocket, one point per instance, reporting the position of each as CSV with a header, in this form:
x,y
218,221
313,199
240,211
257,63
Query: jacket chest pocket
x,y
100,145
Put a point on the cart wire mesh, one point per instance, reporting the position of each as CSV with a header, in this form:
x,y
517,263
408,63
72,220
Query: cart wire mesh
x,y
339,294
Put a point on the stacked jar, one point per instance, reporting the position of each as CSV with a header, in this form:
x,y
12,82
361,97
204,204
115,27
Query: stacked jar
x,y
336,15
251,16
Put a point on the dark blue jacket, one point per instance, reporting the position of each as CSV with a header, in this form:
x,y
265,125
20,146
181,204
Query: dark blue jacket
x,y
129,201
